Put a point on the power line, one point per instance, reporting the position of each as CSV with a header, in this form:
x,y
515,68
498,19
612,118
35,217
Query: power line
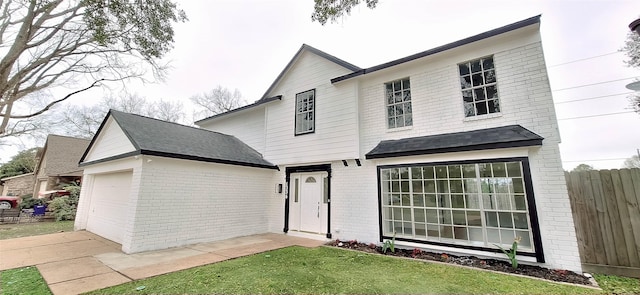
x,y
600,115
583,59
595,97
597,160
597,83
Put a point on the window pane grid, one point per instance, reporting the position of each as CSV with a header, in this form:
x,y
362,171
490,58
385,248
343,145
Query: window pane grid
x,y
398,103
305,105
479,87
473,204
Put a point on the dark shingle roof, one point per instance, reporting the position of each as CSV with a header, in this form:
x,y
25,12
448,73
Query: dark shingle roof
x,y
159,138
485,35
483,139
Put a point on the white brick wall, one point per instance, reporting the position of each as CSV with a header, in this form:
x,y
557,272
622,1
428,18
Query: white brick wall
x,y
222,201
185,202
525,99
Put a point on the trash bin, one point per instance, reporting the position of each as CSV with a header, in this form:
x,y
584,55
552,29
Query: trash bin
x,y
39,210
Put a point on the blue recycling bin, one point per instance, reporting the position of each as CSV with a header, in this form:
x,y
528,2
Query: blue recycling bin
x,y
39,210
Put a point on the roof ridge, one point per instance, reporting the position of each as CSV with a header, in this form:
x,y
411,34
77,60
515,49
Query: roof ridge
x,y
174,123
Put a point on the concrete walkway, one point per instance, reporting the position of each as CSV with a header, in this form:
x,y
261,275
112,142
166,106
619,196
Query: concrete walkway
x,y
77,262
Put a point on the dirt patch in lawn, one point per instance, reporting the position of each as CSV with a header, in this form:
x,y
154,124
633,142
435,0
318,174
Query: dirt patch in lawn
x,y
557,275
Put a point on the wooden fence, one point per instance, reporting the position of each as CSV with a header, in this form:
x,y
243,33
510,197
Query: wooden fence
x,y
607,219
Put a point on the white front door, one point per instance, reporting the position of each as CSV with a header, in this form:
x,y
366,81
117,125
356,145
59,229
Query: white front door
x,y
307,208
310,203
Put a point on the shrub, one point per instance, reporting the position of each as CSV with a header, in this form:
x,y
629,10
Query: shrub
x,y
29,202
64,208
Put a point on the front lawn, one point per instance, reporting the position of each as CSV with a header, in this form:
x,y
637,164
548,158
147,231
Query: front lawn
x,y
26,280
10,231
298,270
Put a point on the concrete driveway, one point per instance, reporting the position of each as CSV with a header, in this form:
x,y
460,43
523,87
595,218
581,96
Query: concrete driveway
x,y
78,262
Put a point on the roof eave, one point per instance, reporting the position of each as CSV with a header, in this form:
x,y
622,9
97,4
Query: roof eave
x,y
452,45
487,146
240,109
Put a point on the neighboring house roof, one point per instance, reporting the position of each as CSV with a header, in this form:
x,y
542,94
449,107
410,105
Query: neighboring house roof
x,y
483,139
60,156
159,138
485,35
16,176
265,97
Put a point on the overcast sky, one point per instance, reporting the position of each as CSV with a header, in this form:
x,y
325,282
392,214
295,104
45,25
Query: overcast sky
x,y
246,44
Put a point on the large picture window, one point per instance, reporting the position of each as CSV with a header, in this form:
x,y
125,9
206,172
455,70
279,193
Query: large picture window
x,y
468,204
398,103
305,112
479,87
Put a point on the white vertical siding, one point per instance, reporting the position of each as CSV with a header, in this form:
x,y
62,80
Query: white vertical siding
x,y
110,142
336,130
247,126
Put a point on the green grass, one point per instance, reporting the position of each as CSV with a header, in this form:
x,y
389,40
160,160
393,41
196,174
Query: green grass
x,y
323,270
26,280
10,231
618,285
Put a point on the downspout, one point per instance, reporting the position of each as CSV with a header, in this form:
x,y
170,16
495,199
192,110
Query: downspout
x,y
286,202
329,203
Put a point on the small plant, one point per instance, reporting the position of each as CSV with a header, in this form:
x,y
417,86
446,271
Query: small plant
x,y
416,252
372,246
389,244
63,208
444,257
511,253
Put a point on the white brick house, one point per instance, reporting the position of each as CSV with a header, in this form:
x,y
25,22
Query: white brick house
x,y
453,149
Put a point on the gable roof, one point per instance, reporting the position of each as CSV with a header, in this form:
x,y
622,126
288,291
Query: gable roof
x,y
265,98
481,36
483,139
62,154
160,138
320,53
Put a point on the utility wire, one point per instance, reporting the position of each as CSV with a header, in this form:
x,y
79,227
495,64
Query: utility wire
x,y
598,83
583,59
595,97
600,115
595,160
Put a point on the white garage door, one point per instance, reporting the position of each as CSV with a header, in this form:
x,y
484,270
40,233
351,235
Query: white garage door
x,y
109,202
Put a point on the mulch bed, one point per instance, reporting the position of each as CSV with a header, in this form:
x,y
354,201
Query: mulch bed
x,y
557,275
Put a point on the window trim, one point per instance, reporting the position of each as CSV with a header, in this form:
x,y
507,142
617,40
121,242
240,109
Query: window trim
x,y
295,124
531,204
386,105
484,85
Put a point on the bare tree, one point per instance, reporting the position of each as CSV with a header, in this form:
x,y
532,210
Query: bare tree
x,y
84,121
632,50
128,103
79,44
216,101
633,162
168,111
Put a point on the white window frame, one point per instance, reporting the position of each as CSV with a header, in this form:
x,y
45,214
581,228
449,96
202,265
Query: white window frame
x,y
305,115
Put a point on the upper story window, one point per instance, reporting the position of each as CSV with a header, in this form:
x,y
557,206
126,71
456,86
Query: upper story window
x,y
305,112
479,87
398,97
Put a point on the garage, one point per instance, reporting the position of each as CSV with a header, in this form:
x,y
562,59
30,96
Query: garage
x,y
109,202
